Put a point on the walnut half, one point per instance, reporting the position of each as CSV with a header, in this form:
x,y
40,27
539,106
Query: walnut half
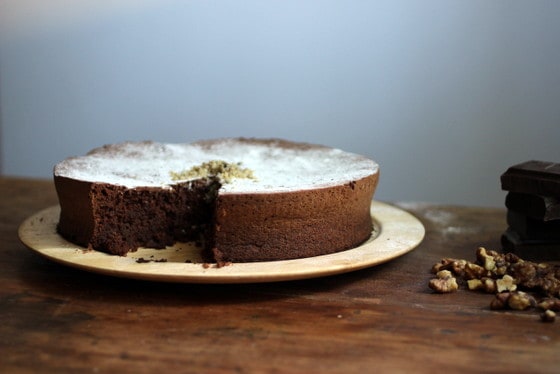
x,y
444,282
516,300
548,316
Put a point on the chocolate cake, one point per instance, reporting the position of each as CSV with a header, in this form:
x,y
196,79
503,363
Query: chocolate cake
x,y
245,200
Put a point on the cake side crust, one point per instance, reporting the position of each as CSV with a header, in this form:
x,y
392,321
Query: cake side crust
x,y
267,227
76,212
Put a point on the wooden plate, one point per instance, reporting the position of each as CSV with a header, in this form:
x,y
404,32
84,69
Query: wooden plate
x,y
395,233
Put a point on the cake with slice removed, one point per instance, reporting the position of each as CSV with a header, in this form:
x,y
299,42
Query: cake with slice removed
x,y
245,200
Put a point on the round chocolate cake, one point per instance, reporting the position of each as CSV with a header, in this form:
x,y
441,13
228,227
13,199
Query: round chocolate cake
x,y
244,200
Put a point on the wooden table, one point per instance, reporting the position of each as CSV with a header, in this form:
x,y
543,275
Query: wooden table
x,y
382,319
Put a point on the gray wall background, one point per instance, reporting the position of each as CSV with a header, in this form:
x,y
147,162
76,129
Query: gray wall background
x,y
445,95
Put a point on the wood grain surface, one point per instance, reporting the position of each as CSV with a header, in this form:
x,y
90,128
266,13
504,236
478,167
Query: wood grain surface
x,y
381,319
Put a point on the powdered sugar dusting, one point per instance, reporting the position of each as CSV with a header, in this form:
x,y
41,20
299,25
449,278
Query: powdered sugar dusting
x,y
275,167
446,222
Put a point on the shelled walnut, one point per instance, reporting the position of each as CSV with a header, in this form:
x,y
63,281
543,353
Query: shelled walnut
x,y
550,303
548,316
516,300
500,301
512,279
444,282
491,285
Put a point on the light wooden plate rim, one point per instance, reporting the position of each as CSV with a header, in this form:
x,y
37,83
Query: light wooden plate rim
x,y
396,232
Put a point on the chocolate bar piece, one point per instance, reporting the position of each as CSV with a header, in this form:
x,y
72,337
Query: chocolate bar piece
x,y
532,250
544,208
533,177
529,228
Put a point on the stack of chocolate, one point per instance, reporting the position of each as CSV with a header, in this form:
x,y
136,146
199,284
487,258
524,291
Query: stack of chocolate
x,y
533,210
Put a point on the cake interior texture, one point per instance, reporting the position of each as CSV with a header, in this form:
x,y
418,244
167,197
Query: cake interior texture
x,y
118,220
237,225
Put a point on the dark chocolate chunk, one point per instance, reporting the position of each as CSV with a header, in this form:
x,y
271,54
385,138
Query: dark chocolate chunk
x,y
533,177
532,250
529,228
544,208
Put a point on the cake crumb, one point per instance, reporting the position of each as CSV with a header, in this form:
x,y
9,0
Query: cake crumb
x,y
221,264
216,265
142,260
